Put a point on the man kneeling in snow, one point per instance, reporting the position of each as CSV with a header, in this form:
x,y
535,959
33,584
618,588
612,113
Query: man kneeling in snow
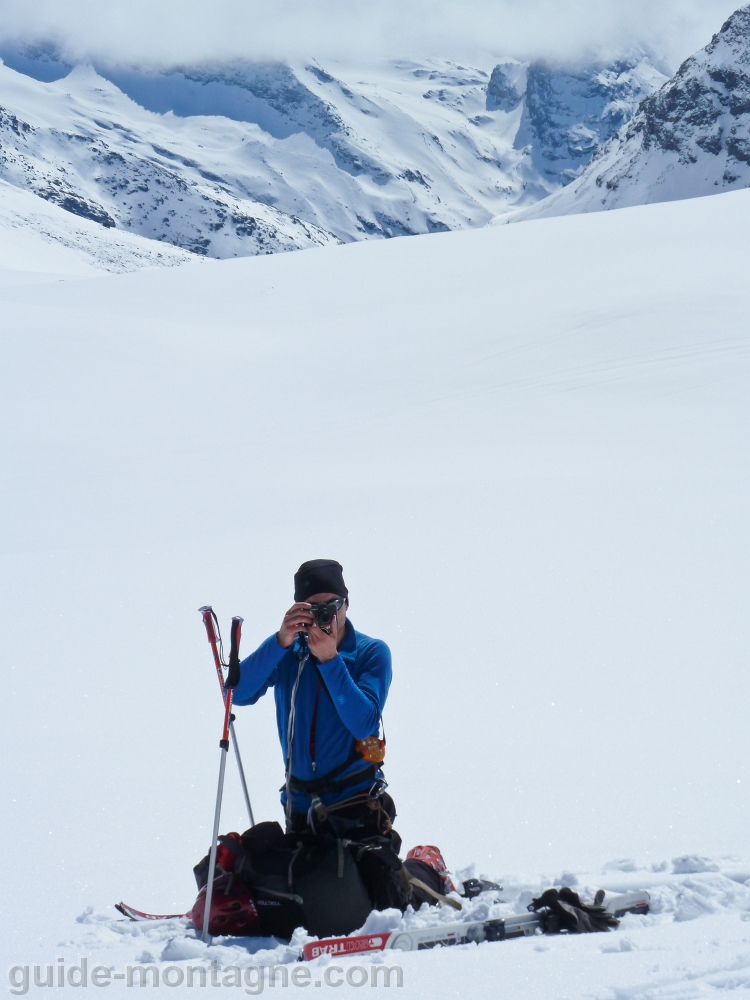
x,y
330,684
338,858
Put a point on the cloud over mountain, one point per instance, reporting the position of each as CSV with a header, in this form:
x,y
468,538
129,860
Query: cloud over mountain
x,y
189,30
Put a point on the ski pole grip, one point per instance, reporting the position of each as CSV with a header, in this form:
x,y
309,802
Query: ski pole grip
x,y
206,613
233,674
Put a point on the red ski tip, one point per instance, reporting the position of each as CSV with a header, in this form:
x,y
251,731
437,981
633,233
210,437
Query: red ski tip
x,y
345,946
133,914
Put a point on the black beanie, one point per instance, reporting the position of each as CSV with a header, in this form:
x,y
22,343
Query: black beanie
x,y
319,576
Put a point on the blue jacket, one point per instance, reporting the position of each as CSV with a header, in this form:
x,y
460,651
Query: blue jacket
x,y
345,697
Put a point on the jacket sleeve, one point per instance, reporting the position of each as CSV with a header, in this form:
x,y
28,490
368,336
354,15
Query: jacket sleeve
x,y
258,672
360,703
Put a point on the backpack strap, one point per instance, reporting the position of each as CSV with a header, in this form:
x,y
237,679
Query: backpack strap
x,y
436,895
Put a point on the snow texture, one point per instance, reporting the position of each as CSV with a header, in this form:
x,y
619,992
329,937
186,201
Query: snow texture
x,y
707,917
689,138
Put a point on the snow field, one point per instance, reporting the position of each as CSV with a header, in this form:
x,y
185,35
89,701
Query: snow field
x,y
528,447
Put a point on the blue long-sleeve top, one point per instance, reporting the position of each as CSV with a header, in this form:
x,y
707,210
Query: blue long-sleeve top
x,y
345,697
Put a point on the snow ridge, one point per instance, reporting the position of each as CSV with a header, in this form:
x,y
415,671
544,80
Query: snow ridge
x,y
82,145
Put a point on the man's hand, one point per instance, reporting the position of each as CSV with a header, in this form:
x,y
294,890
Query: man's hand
x,y
323,646
297,619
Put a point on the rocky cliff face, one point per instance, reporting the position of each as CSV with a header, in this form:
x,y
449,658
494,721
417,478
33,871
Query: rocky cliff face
x,y
705,107
689,138
569,113
506,86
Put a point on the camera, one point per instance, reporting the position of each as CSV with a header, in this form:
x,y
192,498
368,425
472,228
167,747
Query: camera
x,y
325,613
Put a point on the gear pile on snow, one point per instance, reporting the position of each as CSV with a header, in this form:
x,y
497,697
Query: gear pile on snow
x,y
268,883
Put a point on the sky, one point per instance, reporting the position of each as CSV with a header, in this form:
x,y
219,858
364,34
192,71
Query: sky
x,y
174,31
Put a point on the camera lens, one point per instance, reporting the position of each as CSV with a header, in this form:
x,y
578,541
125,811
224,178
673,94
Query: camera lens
x,y
325,615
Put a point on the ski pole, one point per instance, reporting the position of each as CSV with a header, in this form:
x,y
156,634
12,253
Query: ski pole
x,y
233,679
214,638
224,746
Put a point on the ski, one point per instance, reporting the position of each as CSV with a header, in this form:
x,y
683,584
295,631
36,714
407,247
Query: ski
x,y
133,914
520,925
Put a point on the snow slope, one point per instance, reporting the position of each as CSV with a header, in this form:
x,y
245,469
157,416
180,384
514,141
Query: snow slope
x,y
245,159
528,447
39,240
690,138
83,145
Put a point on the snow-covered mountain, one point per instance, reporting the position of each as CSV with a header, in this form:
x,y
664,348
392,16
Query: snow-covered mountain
x,y
245,159
80,143
690,138
38,238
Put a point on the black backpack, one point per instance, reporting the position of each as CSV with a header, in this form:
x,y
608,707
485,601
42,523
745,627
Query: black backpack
x,y
298,880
